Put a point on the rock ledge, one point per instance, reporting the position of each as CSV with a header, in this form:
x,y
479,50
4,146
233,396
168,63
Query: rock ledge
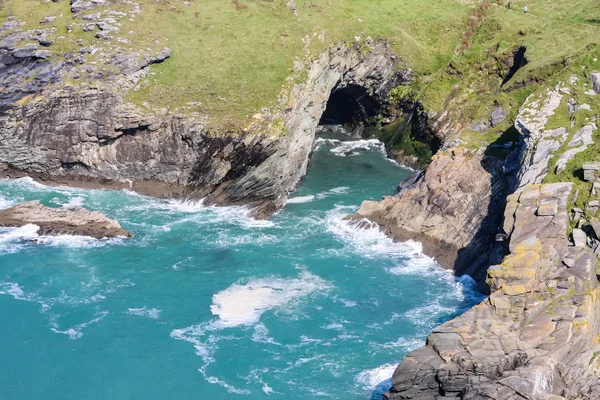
x,y
61,221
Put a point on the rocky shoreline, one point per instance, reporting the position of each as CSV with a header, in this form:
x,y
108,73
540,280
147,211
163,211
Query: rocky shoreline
x,y
523,226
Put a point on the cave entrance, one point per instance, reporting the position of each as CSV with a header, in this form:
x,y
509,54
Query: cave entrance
x,y
350,106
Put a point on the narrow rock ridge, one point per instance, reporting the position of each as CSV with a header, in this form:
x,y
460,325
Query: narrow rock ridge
x,y
536,336
61,221
454,210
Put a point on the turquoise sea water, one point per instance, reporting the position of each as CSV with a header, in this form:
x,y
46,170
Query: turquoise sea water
x,y
205,303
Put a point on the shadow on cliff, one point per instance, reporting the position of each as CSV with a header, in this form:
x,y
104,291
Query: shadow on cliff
x,y
489,245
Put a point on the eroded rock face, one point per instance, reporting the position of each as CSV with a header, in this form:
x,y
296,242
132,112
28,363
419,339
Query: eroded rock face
x,y
267,186
61,221
88,136
535,337
454,211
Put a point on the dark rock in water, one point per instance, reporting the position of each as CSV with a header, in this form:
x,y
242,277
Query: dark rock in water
x,y
61,221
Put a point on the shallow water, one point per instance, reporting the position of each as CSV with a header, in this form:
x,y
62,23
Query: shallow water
x,y
206,303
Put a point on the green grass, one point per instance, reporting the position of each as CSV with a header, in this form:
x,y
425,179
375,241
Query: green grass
x,y
556,42
230,59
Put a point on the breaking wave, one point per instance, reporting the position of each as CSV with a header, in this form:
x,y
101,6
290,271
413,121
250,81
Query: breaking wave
x,y
243,304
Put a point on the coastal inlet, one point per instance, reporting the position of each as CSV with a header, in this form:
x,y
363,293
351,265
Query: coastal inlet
x,y
205,300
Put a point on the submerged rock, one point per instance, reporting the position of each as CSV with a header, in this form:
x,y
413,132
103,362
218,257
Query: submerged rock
x,y
61,221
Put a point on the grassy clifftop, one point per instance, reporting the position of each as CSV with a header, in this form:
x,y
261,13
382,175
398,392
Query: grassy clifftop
x,y
232,58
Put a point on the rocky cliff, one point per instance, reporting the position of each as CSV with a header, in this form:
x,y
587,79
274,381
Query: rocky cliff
x,y
536,335
65,120
454,210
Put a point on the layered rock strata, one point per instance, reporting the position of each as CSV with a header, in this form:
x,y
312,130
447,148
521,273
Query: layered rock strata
x,y
536,336
61,221
86,134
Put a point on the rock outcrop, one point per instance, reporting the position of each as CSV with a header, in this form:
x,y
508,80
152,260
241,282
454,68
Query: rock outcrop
x,y
266,187
453,210
536,336
61,221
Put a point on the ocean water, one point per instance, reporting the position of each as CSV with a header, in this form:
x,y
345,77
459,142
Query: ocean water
x,y
206,303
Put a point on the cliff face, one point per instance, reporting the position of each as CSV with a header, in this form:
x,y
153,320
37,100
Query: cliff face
x,y
536,335
86,134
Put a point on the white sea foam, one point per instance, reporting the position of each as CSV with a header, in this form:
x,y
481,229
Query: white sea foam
x,y
267,389
227,239
255,376
371,378
13,289
24,232
5,203
76,242
319,142
261,335
340,190
13,239
318,196
300,199
206,344
406,344
230,388
244,304
186,206
74,202
197,212
426,315
350,148
345,148
31,184
365,238
76,332
334,326
153,313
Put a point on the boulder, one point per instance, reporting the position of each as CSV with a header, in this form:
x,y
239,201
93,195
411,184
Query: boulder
x,y
589,171
579,238
61,221
596,82
498,115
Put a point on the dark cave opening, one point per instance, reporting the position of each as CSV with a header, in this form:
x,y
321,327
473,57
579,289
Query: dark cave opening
x,y
351,106
517,61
